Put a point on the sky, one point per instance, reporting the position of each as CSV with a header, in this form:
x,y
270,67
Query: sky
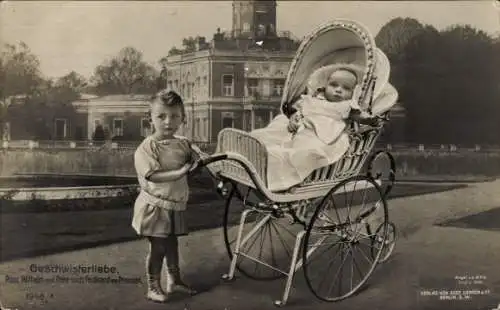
x,y
80,35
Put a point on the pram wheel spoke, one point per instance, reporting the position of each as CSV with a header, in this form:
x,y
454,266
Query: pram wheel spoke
x,y
387,245
267,239
339,253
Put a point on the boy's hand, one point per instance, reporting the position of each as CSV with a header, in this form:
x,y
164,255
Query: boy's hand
x,y
194,166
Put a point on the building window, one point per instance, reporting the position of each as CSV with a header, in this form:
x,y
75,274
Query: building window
x,y
118,127
205,81
227,85
188,94
183,90
278,87
145,127
170,85
176,85
227,120
60,128
246,27
253,87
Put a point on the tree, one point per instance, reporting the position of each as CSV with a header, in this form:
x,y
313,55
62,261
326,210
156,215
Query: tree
x,y
175,51
469,94
161,80
19,71
394,36
420,71
393,39
73,81
447,81
19,76
189,45
66,89
126,73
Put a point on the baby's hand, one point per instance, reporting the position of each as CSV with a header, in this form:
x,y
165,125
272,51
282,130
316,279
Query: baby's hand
x,y
294,122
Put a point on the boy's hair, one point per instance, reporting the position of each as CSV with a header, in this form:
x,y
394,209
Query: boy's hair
x,y
168,98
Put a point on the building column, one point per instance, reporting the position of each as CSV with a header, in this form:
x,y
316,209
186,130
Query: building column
x,y
192,121
210,121
252,119
270,115
244,120
90,125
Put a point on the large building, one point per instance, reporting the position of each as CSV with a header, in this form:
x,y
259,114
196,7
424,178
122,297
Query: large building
x,y
234,80
237,79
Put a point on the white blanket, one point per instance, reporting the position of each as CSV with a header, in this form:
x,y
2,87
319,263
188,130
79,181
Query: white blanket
x,y
322,142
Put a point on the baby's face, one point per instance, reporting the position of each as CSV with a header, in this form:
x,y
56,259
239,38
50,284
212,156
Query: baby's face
x,y
340,86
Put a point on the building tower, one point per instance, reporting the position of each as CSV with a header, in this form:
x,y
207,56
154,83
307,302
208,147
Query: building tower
x,y
254,19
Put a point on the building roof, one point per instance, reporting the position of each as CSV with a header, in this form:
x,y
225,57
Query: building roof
x,y
122,97
113,103
87,96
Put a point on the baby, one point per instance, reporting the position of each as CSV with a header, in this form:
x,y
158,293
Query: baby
x,y
340,87
318,126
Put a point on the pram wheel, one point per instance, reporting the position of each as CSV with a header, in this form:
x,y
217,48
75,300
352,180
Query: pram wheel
x,y
338,245
271,243
389,243
382,168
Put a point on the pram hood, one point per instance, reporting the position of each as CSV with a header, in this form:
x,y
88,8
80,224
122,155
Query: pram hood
x,y
329,47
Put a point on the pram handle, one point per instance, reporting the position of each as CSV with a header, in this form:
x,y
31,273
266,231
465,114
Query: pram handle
x,y
204,158
213,158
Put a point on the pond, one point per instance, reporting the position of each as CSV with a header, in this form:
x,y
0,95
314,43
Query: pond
x,y
56,187
36,181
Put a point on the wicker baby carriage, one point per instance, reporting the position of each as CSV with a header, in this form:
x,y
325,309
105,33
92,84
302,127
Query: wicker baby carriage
x,y
345,201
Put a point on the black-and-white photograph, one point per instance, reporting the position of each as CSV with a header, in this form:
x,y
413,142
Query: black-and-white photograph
x,y
250,155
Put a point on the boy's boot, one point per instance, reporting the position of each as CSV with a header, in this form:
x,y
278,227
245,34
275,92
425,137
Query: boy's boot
x,y
175,284
155,292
